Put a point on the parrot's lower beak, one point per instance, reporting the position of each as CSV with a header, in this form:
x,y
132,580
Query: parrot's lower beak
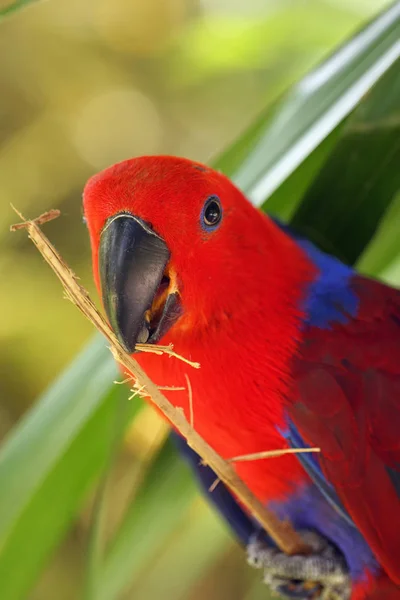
x,y
139,290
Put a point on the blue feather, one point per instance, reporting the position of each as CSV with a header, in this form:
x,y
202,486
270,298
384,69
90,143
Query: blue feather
x,y
329,298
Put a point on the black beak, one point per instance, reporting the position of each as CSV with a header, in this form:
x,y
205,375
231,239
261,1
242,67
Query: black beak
x,y
132,262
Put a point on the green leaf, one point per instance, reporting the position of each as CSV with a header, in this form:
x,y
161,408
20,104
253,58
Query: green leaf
x,y
383,253
50,460
343,207
288,195
273,149
158,509
201,530
97,534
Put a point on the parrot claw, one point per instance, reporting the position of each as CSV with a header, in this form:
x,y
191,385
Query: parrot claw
x,y
322,575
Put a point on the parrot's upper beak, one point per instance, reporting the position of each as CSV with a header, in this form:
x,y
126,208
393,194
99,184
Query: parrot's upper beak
x,y
139,292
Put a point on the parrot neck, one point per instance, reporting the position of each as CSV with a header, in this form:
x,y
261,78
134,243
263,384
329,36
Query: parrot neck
x,y
245,354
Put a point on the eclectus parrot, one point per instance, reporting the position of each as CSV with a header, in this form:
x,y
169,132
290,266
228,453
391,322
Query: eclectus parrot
x,y
296,350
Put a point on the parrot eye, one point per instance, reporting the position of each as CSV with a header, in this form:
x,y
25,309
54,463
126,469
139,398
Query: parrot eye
x,y
212,212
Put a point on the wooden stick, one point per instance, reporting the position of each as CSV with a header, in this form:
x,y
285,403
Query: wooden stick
x,y
281,532
270,454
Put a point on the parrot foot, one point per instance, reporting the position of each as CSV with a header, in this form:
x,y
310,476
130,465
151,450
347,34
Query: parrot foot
x,y
322,575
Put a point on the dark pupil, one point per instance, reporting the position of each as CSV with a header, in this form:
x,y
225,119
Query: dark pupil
x,y
212,213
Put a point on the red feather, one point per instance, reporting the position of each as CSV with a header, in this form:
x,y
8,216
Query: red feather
x,y
241,289
346,400
241,316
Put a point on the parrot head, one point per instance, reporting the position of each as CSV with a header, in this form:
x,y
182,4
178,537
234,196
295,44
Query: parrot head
x,y
175,245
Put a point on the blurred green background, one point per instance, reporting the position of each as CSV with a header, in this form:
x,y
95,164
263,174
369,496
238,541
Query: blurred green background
x,y
86,84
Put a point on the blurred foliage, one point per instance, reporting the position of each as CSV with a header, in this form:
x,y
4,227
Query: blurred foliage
x,y
11,6
87,84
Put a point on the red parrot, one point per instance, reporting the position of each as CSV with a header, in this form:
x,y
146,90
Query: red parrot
x,y
296,349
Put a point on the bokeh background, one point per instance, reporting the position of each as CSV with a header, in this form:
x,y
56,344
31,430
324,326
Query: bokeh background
x,y
84,85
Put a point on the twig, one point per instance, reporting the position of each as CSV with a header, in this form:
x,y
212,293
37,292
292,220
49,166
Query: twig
x,y
282,532
170,388
138,390
214,485
166,388
270,454
190,392
40,220
166,350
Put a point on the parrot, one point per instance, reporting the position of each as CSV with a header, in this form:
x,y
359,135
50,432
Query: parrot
x,y
296,350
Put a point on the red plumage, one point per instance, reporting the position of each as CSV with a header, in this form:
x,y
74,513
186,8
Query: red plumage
x,y
346,400
242,290
238,398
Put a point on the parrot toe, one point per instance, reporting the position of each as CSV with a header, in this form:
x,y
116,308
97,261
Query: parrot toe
x,y
322,575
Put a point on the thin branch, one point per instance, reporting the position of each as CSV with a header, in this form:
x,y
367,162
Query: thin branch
x,y
170,388
166,350
214,485
167,388
282,532
40,220
271,454
190,392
